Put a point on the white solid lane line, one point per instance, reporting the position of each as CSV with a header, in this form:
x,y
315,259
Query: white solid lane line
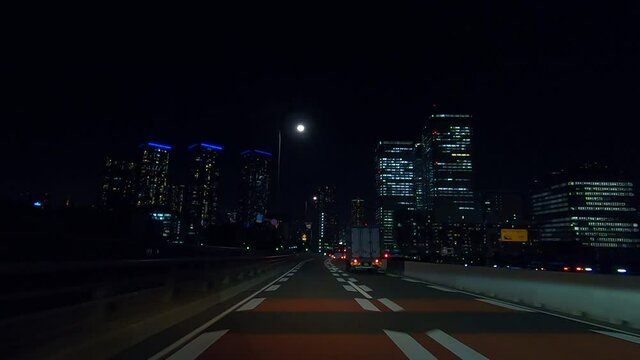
x,y
251,304
442,288
365,288
505,305
340,279
366,304
411,280
283,279
409,347
180,342
617,335
349,288
272,288
197,346
391,305
357,288
459,349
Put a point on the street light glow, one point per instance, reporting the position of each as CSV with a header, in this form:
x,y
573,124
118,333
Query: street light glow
x,y
300,128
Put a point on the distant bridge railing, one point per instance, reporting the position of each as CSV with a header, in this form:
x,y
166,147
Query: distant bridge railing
x,y
607,298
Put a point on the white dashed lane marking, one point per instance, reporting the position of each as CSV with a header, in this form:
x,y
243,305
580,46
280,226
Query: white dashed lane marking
x,y
251,304
358,289
409,346
459,349
390,304
340,279
198,345
366,304
349,288
272,288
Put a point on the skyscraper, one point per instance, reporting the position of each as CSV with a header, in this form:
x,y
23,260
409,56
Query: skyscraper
x,y
357,213
254,185
119,184
154,168
420,177
394,184
448,157
455,230
326,219
203,186
592,207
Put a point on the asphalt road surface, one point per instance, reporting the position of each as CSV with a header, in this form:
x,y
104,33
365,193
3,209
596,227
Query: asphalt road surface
x,y
316,310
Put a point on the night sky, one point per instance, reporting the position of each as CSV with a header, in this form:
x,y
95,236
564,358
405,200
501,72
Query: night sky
x,y
549,86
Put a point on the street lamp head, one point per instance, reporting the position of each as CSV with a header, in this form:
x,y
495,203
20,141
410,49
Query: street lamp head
x,y
300,128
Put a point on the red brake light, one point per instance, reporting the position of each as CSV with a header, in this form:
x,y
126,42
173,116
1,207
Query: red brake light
x,y
386,255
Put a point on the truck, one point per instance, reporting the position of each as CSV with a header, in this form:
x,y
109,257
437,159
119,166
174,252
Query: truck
x,y
364,249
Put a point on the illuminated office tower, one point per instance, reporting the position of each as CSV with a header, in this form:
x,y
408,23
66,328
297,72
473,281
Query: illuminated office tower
x,y
395,185
357,213
254,185
203,187
153,189
119,184
590,206
455,230
448,157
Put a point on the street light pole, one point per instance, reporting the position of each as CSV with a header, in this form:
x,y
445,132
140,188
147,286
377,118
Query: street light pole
x,y
299,128
279,154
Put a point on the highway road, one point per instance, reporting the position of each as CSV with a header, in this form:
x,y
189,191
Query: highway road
x,y
316,310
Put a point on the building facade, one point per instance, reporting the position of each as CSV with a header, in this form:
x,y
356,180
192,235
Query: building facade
x,y
203,188
455,222
448,154
119,184
590,207
395,185
255,185
153,186
326,219
357,213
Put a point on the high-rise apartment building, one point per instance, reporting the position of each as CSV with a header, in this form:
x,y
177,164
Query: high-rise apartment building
x,y
203,187
255,185
119,184
153,187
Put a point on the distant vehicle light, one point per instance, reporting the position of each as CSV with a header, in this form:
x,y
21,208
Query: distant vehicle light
x,y
495,266
621,271
37,204
588,269
543,269
565,268
465,265
578,268
386,255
